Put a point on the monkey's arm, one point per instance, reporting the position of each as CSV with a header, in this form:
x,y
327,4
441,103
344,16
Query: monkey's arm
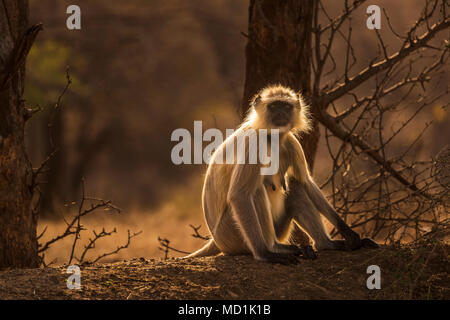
x,y
352,239
301,174
297,159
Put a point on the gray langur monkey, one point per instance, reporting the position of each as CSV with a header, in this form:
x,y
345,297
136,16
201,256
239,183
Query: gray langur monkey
x,y
250,213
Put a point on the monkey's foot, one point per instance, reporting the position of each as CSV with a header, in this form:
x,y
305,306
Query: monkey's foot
x,y
339,245
345,245
286,248
303,252
308,253
352,241
369,243
281,258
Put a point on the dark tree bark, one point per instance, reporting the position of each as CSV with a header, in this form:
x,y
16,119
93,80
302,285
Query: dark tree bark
x,y
279,51
18,220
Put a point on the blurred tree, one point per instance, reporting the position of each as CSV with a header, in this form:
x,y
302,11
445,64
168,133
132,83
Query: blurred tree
x,y
45,81
18,219
74,133
133,55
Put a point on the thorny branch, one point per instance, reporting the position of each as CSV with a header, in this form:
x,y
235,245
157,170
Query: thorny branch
x,y
75,227
165,243
43,167
166,248
57,106
104,234
377,67
196,234
367,195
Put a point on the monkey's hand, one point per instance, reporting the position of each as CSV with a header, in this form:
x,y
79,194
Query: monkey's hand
x,y
352,239
346,246
308,253
304,252
369,243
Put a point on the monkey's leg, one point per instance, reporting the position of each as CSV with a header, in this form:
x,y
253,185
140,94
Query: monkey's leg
x,y
352,239
305,214
267,220
246,216
242,197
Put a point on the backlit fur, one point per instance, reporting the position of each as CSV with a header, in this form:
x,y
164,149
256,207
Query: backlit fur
x,y
300,122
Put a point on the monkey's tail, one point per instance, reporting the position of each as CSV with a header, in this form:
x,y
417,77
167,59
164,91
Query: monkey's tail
x,y
209,249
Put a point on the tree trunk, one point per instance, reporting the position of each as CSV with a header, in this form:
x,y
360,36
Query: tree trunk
x,y
279,51
18,244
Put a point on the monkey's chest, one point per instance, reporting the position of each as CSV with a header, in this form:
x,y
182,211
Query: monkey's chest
x,y
275,190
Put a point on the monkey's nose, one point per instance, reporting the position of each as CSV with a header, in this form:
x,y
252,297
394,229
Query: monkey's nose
x,y
281,119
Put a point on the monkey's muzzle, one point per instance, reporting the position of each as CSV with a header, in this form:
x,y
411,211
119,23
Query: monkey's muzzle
x,y
280,119
280,113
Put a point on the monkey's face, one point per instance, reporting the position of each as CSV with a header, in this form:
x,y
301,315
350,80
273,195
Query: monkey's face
x,y
278,107
279,113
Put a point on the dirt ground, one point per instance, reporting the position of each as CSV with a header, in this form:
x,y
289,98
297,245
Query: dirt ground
x,y
407,272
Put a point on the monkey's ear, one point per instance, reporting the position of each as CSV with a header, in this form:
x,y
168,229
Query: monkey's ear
x,y
256,99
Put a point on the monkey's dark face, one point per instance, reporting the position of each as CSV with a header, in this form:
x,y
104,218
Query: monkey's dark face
x,y
278,107
279,113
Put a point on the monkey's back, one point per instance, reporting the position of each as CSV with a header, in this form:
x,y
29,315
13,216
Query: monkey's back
x,y
216,209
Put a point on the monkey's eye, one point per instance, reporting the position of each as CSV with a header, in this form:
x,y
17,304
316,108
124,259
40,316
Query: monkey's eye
x,y
273,106
280,105
287,107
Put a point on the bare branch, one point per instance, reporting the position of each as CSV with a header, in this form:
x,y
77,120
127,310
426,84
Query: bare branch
x,y
341,133
71,228
196,234
373,69
56,107
165,247
130,236
92,241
